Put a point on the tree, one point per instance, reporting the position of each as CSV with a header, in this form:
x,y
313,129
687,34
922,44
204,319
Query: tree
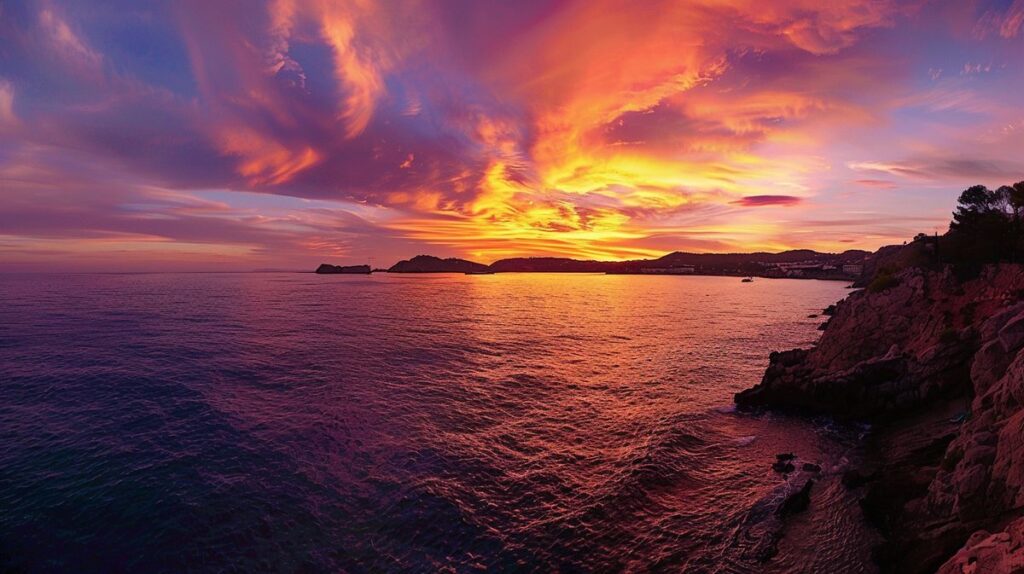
x,y
983,229
974,202
1016,199
1001,199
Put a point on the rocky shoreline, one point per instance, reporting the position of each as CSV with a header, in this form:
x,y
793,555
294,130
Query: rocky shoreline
x,y
936,365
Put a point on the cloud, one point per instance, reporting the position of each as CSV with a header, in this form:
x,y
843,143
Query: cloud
x,y
596,128
7,117
1013,20
71,215
877,183
65,42
1006,23
767,200
944,168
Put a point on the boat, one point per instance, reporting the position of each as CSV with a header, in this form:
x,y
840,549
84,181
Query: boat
x,y
747,280
479,272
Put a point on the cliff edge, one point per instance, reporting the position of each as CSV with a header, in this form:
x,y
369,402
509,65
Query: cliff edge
x,y
937,364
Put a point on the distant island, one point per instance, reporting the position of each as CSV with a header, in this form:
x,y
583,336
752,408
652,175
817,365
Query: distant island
x,y
351,269
801,263
430,264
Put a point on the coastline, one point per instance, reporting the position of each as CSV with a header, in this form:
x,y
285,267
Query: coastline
x,y
840,278
936,365
795,264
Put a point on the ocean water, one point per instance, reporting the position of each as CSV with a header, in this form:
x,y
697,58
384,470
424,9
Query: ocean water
x,y
408,423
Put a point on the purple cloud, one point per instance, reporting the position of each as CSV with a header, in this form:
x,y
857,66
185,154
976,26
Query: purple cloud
x,y
768,200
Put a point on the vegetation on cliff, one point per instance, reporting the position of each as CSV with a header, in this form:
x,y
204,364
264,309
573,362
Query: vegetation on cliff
x,y
987,228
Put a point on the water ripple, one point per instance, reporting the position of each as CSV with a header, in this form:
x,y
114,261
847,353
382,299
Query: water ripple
x,y
292,422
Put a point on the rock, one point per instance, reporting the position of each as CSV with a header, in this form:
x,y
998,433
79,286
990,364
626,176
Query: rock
x,y
1011,336
812,316
783,467
990,328
890,352
797,501
988,366
911,360
811,467
784,456
1008,463
854,479
985,553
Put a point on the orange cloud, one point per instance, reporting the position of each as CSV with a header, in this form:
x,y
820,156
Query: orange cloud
x,y
264,161
596,67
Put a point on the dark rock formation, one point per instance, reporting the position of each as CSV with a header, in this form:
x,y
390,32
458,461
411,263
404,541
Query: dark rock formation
x,y
985,552
853,478
945,489
353,269
887,352
797,501
430,264
783,466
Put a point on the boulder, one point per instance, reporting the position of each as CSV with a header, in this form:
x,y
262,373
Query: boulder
x,y
783,467
985,553
797,501
1011,336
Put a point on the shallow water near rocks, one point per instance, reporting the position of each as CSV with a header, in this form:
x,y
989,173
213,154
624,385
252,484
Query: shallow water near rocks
x,y
510,422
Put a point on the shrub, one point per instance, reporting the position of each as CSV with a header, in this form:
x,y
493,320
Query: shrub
x,y
883,281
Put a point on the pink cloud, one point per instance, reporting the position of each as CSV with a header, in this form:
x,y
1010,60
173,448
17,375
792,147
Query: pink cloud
x,y
768,200
877,183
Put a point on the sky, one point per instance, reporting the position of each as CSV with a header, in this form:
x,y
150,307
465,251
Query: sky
x,y
243,135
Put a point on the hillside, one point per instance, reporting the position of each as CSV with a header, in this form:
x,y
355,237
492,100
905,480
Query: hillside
x,y
430,264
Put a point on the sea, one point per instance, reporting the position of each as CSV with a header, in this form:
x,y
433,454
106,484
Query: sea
x,y
294,422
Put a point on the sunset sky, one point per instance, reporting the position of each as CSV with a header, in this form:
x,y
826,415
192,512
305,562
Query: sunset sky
x,y
199,135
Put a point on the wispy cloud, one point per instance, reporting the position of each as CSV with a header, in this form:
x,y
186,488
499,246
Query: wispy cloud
x,y
942,168
767,200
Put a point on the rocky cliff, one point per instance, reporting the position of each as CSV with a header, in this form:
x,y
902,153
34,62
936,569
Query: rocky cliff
x,y
938,365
